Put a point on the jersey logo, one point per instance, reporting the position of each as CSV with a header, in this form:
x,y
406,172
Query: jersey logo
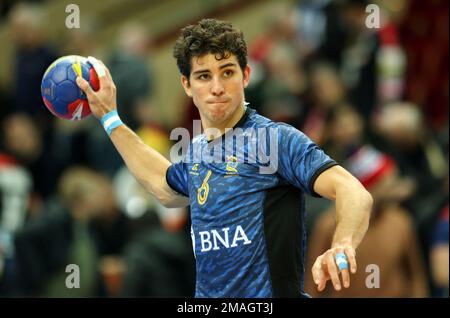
x,y
215,241
202,192
231,166
194,170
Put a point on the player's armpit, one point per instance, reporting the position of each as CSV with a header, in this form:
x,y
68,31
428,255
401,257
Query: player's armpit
x,y
174,199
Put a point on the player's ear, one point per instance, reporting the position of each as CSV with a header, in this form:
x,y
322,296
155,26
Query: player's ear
x,y
246,75
186,85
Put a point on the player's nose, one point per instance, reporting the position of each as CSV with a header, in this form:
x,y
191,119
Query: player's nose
x,y
217,88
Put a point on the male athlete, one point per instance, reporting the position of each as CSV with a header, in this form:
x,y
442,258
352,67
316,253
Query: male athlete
x,y
248,225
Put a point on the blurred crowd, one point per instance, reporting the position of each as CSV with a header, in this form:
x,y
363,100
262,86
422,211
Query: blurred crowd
x,y
375,99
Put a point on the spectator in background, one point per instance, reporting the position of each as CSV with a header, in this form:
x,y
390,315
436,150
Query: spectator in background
x,y
5,102
373,61
315,19
281,30
326,93
391,241
28,136
16,186
160,262
439,248
86,227
22,139
131,71
15,193
284,84
322,26
404,136
439,254
84,40
5,6
424,34
33,54
344,131
278,80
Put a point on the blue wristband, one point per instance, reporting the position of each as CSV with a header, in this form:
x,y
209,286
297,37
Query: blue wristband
x,y
110,121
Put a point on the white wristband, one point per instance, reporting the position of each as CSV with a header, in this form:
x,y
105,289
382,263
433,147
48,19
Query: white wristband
x,y
110,121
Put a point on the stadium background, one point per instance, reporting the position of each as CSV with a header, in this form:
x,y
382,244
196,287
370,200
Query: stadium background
x,y
66,198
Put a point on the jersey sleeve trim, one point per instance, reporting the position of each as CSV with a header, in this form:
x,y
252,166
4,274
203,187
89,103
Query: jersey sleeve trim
x,y
316,174
177,191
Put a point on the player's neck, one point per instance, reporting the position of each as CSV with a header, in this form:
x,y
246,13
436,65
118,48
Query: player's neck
x,y
220,128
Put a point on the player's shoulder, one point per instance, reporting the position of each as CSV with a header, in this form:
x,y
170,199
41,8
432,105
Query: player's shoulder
x,y
256,120
287,135
198,139
259,121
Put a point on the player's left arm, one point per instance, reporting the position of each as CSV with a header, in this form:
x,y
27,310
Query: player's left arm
x,y
353,207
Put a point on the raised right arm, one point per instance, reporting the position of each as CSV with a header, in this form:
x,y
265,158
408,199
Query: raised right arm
x,y
147,165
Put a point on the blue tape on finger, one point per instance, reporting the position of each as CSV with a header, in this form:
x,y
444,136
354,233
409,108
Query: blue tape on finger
x,y
341,261
343,265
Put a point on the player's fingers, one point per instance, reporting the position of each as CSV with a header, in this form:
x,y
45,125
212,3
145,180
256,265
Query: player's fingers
x,y
332,270
341,260
351,255
100,70
100,62
323,278
85,87
108,73
345,278
321,285
108,76
319,276
317,272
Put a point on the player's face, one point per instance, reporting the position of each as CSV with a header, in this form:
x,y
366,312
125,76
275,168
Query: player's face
x,y
217,89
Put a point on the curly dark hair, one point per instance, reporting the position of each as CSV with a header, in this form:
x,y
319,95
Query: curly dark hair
x,y
209,36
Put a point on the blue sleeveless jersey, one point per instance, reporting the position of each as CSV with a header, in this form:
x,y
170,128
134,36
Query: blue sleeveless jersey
x,y
247,207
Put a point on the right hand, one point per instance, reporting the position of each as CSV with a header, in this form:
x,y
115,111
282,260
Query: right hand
x,y
104,100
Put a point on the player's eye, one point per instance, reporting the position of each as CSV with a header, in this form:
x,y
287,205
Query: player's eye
x,y
228,73
203,76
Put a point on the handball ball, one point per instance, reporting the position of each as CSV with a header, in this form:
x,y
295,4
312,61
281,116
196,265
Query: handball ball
x,y
59,89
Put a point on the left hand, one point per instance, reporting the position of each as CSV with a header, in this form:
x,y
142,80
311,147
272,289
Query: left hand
x,y
325,268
